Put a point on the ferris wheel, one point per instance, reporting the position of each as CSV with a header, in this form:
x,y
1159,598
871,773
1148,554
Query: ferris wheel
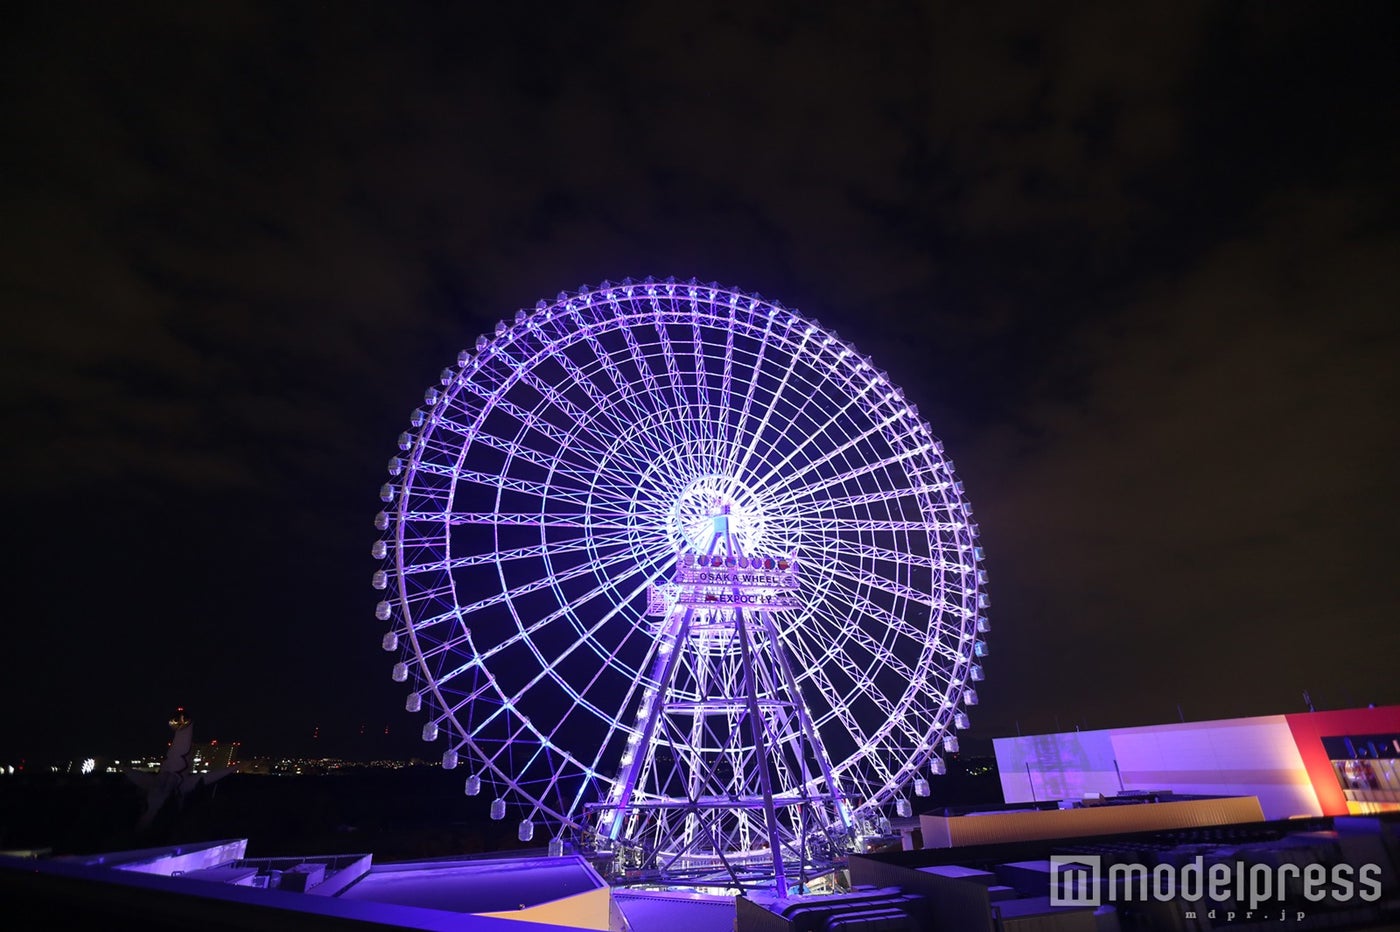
x,y
671,568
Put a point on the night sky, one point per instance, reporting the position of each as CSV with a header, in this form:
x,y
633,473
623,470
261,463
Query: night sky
x,y
1137,265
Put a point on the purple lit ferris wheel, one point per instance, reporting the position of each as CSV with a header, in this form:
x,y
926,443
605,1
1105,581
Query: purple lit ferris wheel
x,y
678,574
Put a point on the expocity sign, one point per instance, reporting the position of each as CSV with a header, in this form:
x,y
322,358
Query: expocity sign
x,y
725,598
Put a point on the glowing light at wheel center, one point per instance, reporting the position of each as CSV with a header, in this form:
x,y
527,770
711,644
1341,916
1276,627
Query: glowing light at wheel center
x,y
693,513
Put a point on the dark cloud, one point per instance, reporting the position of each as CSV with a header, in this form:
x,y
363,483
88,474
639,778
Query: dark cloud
x,y
1215,498
1135,264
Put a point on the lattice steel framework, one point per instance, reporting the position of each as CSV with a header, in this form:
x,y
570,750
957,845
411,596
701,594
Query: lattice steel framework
x,y
552,494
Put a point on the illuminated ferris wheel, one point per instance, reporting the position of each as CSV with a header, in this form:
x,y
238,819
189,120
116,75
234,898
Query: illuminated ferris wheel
x,y
676,573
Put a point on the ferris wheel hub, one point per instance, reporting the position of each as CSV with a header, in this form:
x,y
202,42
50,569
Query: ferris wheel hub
x,y
708,498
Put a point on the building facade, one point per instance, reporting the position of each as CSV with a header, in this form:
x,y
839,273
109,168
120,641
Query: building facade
x,y
1338,762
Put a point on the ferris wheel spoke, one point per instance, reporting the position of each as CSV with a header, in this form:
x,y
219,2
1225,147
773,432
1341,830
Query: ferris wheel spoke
x,y
488,439
834,646
551,666
848,525
681,419
428,650
607,459
768,409
789,479
726,384
888,495
700,348
736,426
936,598
547,582
857,548
512,741
865,581
545,746
711,415
533,551
811,648
838,712
527,419
544,460
622,384
572,412
564,442
809,495
500,481
613,720
604,404
442,679
948,647
529,519
643,318
657,468
902,715
890,718
879,655
562,404
813,434
683,401
568,609
796,434
883,616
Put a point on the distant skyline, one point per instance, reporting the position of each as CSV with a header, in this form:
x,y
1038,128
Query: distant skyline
x,y
1136,265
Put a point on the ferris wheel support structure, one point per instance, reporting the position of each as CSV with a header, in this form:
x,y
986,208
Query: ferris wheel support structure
x,y
698,793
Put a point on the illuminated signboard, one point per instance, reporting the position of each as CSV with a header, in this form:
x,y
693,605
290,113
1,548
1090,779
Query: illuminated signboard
x,y
730,598
765,582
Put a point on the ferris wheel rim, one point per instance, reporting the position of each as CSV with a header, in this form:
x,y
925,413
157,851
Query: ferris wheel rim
x,y
449,706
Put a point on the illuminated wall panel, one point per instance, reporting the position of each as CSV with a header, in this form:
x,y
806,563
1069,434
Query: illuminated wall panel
x,y
1232,757
1281,759
1064,766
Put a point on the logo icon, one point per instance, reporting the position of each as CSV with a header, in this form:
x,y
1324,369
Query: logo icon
x,y
1074,879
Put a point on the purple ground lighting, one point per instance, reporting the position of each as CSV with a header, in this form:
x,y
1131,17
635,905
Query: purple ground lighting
x,y
677,574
